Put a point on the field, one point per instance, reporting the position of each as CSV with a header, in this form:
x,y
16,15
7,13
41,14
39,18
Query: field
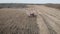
x,y
17,20
57,6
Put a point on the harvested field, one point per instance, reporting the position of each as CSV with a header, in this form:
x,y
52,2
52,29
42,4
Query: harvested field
x,y
16,20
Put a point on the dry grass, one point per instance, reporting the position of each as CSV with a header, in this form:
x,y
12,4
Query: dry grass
x,y
15,21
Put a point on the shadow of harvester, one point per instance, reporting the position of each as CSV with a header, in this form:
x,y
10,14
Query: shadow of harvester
x,y
15,22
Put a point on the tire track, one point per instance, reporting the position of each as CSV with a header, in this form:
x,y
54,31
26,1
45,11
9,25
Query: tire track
x,y
48,26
